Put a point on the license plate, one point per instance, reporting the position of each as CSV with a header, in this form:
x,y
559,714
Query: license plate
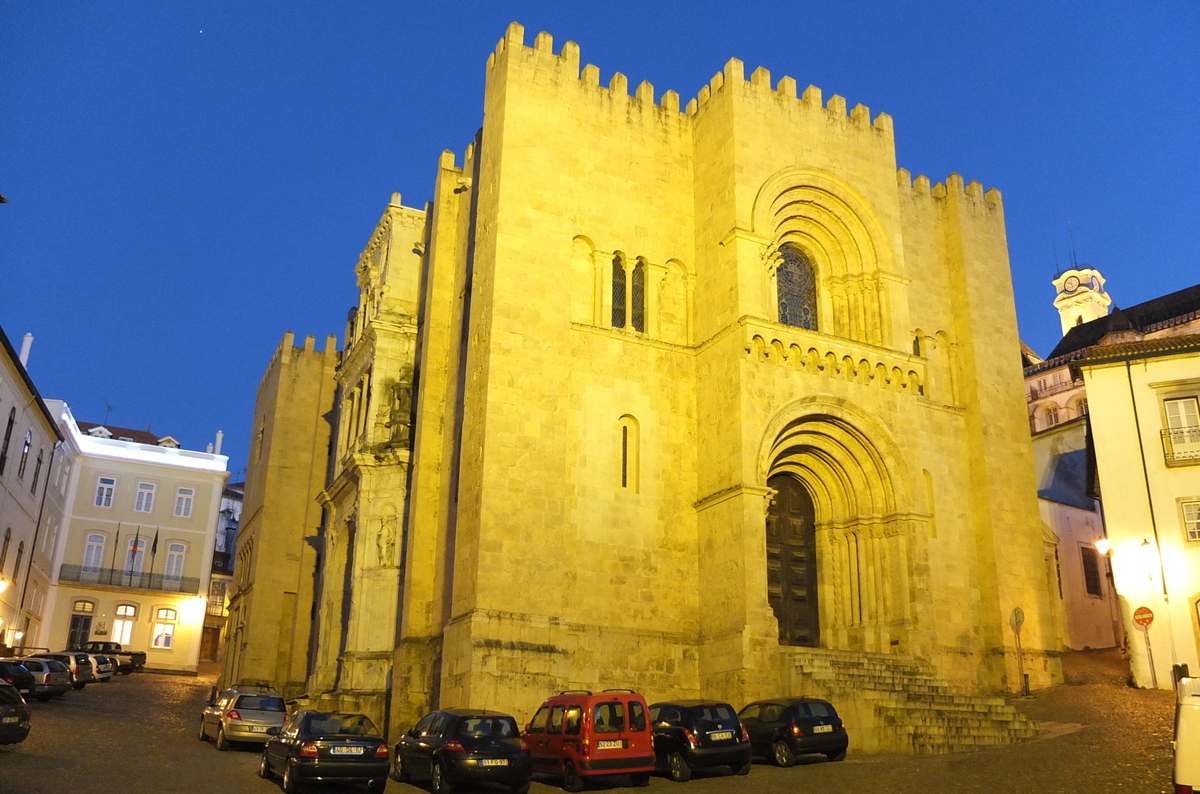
x,y
823,729
609,744
258,728
493,762
346,750
721,736
7,720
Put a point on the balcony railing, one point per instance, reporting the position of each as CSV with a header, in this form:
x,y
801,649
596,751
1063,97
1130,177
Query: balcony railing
x,y
1181,447
111,577
1054,388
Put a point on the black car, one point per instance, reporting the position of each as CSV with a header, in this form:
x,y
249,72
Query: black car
x,y
326,747
785,728
698,734
464,746
18,675
14,715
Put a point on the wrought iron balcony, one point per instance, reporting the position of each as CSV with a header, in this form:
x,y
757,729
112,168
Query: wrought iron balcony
x,y
1181,447
129,580
1054,388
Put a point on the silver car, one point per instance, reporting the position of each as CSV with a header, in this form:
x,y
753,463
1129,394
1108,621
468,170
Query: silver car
x,y
51,678
238,715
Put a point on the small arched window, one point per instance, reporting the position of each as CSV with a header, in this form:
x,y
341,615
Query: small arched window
x,y
618,292
25,453
164,627
630,448
797,288
84,607
637,298
17,564
12,419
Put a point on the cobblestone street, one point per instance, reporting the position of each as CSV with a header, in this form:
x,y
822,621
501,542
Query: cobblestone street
x,y
136,735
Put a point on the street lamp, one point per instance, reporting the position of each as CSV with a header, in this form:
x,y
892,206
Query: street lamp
x,y
3,585
1103,546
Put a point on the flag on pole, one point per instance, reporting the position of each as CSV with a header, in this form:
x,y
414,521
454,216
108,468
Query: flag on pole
x,y
154,545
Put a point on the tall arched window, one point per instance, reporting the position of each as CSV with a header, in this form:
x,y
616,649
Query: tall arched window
x,y
627,429
4,549
637,302
37,469
618,292
12,419
797,288
25,453
17,564
174,568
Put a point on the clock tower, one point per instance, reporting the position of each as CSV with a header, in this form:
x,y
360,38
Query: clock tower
x,y
1080,297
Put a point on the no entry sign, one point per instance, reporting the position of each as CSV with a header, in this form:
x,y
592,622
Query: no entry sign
x,y
1143,617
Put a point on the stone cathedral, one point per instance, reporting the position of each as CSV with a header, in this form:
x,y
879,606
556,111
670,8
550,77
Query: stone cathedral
x,y
708,400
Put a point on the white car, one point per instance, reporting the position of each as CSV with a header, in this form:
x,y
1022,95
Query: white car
x,y
1187,736
102,667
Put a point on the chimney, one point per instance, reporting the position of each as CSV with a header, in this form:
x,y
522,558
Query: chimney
x,y
208,449
26,343
220,438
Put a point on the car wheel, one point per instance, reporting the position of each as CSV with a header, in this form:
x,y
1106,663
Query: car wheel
x,y
437,779
677,765
571,779
744,770
201,735
781,754
836,756
289,779
78,685
398,770
264,766
222,742
640,779
521,788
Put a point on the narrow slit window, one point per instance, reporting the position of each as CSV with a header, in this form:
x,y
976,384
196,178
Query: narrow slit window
x,y
25,454
618,292
638,298
629,450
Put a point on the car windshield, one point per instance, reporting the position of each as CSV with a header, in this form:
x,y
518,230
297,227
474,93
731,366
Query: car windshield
x,y
260,703
482,727
9,694
346,724
712,713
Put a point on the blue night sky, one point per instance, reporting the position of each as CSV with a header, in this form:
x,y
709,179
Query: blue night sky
x,y
187,181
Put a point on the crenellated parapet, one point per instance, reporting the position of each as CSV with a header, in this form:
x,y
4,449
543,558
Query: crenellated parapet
x,y
953,185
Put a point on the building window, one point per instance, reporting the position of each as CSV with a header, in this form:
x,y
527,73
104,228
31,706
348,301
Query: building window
x,y
797,288
135,555
637,308
4,549
104,491
1191,521
17,564
1091,571
144,502
123,624
618,292
183,502
174,569
93,555
83,607
164,627
1051,416
37,470
24,454
628,429
1183,427
12,419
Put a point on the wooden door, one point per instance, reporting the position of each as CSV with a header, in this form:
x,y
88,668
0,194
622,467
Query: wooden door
x,y
792,562
79,631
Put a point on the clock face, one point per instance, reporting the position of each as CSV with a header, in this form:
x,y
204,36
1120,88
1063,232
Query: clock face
x,y
1071,284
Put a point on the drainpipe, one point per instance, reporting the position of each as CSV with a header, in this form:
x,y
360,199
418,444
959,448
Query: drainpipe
x,y
37,527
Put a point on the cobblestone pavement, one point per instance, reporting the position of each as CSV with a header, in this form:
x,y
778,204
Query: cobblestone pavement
x,y
136,735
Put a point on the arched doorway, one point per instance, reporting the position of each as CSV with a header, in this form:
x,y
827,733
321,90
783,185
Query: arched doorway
x,y
792,562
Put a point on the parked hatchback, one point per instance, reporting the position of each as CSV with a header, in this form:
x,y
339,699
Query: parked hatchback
x,y
14,673
102,667
237,716
464,746
14,715
1187,736
580,735
80,665
327,747
50,678
783,729
698,734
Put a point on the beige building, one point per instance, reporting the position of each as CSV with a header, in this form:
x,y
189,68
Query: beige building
x,y
1143,396
135,548
29,461
277,552
706,400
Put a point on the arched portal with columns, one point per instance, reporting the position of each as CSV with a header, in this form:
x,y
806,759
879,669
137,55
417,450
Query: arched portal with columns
x,y
844,546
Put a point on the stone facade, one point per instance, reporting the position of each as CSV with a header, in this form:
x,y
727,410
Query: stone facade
x,y
686,382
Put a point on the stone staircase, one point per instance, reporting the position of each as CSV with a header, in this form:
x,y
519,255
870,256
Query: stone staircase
x,y
897,704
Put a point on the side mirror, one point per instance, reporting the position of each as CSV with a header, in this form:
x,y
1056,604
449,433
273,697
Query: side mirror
x,y
208,702
272,731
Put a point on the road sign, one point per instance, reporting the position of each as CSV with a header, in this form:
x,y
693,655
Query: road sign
x,y
1143,617
1017,618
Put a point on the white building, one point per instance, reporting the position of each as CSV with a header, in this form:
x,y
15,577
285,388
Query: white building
x,y
134,555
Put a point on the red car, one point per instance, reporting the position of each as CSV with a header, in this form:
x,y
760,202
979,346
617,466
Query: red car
x,y
580,735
